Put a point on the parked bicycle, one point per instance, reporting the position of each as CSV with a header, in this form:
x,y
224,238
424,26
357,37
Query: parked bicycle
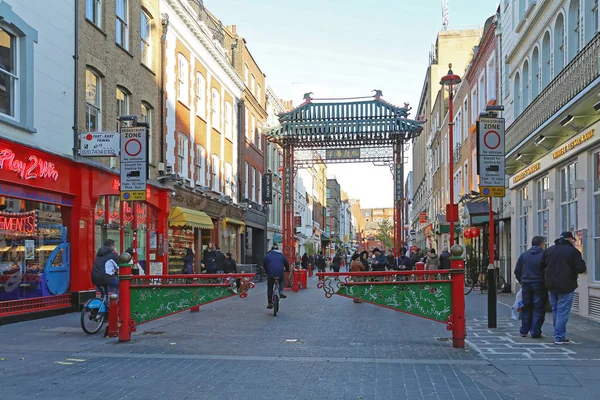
x,y
95,312
478,281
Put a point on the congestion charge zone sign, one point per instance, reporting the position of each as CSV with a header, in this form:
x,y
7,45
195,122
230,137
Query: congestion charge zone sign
x,y
134,163
490,156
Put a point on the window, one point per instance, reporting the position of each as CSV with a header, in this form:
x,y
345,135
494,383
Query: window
x,y
474,113
228,120
465,124
252,84
200,165
596,223
216,109
122,23
253,130
182,79
543,212
146,116
247,180
228,180
216,173
259,200
491,79
253,187
574,31
93,102
457,129
182,156
258,93
592,23
559,44
523,198
122,102
246,126
146,39
246,74
522,9
93,11
481,89
200,91
467,182
546,60
9,75
525,77
568,198
535,73
517,94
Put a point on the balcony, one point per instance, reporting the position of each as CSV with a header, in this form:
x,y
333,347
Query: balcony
x,y
571,81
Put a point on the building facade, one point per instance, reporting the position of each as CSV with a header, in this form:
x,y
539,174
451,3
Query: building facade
x,y
274,161
334,206
550,83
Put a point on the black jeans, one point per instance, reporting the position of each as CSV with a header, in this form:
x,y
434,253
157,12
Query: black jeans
x,y
270,283
535,296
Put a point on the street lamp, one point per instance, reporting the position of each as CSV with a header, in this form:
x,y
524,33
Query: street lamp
x,y
450,80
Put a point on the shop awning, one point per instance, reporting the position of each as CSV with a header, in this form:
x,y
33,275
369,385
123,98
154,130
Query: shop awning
x,y
234,221
185,217
446,228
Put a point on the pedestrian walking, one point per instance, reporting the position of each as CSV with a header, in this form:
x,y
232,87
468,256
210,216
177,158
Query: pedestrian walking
x,y
356,266
304,261
445,258
188,261
533,289
220,260
336,263
209,258
433,261
320,262
561,264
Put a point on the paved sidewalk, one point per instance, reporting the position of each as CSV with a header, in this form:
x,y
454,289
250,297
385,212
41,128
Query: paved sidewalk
x,y
235,349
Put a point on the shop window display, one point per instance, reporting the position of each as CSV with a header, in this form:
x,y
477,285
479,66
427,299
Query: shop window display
x,y
180,238
34,251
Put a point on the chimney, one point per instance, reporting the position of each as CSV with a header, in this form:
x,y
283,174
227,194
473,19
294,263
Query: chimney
x,y
233,29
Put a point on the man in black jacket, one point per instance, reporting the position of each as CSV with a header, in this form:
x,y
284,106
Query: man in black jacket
x,y
561,264
105,268
445,258
533,289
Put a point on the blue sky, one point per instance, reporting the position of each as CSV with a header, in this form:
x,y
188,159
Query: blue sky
x,y
347,48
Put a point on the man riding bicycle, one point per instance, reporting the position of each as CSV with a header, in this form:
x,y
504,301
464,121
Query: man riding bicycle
x,y
275,265
106,268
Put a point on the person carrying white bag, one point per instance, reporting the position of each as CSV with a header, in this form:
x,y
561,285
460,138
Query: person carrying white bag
x,y
517,307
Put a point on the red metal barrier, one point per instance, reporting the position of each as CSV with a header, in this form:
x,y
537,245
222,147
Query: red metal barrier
x,y
437,295
303,278
296,280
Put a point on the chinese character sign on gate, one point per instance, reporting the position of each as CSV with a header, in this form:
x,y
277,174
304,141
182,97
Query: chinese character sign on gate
x,y
287,185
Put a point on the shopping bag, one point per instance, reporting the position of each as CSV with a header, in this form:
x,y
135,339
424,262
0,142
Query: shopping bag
x,y
517,306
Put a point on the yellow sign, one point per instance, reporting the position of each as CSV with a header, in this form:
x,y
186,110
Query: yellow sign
x,y
492,191
526,172
134,195
571,145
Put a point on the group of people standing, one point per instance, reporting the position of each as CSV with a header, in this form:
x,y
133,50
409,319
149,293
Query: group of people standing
x,y
213,261
548,273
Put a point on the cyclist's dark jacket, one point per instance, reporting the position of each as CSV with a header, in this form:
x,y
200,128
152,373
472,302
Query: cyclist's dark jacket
x,y
275,263
99,275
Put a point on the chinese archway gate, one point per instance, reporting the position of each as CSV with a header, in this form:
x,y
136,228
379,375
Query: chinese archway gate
x,y
366,129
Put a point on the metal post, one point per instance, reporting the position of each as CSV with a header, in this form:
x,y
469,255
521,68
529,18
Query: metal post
x,y
451,161
457,269
124,299
491,275
113,317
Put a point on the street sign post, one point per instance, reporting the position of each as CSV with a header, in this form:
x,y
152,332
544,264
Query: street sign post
x,y
490,156
134,163
98,144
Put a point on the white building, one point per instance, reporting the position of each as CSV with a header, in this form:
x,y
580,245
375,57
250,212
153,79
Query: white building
x,y
37,74
310,227
550,84
274,162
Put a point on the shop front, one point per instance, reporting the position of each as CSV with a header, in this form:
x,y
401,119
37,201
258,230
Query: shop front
x,y
561,192
54,215
255,237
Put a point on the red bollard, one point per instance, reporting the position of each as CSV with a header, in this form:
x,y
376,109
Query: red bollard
x,y
113,317
124,301
420,266
296,277
310,270
459,326
195,309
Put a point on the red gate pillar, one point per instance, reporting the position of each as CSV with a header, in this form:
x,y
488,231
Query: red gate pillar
x,y
288,203
459,326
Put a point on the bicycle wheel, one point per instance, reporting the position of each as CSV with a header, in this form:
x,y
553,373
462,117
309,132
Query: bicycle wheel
x,y
469,285
275,305
500,284
92,318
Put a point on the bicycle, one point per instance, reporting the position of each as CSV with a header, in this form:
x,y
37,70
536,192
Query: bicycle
x,y
275,297
95,312
478,281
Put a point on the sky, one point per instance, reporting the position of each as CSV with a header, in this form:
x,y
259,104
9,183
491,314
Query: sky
x,y
347,48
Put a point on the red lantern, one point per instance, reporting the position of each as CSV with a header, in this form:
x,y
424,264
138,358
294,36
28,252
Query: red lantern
x,y
467,234
475,232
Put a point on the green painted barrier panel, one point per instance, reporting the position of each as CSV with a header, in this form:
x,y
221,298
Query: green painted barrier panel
x,y
152,302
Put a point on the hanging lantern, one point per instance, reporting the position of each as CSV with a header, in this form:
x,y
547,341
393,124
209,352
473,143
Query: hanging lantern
x,y
475,232
467,234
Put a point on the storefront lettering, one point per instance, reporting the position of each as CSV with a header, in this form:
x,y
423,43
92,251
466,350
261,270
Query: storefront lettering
x,y
18,222
526,172
571,145
33,168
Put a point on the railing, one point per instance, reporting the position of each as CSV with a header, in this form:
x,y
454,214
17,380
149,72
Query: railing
x,y
575,77
15,307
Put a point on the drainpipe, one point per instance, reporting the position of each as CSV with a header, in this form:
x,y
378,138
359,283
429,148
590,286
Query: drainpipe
x,y
163,51
76,83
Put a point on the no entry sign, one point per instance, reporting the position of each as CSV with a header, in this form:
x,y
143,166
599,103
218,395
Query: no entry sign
x,y
134,163
490,156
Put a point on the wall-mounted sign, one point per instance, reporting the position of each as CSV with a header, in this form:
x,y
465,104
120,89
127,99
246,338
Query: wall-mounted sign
x,y
490,156
342,154
267,194
32,168
399,181
574,143
29,249
18,222
423,218
287,185
134,163
526,172
98,144
297,221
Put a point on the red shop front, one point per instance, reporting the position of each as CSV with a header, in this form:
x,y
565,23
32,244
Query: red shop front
x,y
54,214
